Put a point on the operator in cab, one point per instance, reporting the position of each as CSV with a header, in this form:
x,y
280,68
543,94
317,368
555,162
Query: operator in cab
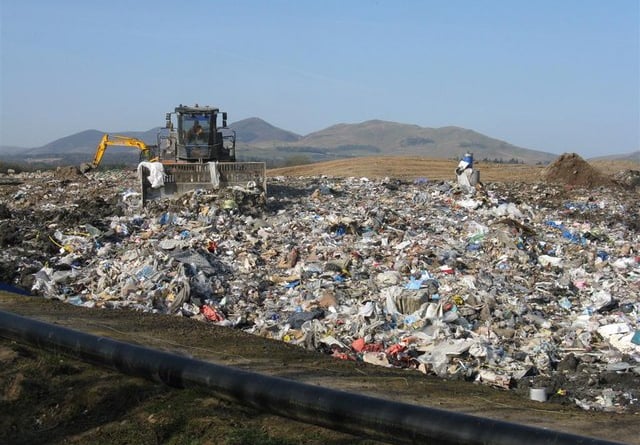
x,y
194,133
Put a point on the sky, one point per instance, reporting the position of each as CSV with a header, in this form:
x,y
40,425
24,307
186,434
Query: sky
x,y
551,75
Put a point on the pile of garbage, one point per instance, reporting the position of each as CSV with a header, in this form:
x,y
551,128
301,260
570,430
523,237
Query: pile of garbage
x,y
511,285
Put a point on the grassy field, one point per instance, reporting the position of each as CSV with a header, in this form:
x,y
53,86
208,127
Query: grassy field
x,y
411,168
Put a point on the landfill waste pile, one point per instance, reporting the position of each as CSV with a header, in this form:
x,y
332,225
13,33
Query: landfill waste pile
x,y
512,285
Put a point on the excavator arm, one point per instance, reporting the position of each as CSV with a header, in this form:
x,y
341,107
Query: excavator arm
x,y
106,140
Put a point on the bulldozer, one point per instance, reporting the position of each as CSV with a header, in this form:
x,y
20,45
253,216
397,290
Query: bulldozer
x,y
195,151
147,152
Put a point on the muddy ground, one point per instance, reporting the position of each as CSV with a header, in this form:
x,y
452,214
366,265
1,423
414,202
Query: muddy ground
x,y
48,397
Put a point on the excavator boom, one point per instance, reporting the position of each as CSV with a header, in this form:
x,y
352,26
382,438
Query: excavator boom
x,y
106,140
193,152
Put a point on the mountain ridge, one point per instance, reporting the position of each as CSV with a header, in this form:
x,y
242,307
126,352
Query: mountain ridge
x,y
259,140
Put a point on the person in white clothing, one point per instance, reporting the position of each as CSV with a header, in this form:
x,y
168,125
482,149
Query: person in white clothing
x,y
467,176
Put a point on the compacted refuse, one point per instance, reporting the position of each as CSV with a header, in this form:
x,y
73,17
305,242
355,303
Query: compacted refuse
x,y
526,287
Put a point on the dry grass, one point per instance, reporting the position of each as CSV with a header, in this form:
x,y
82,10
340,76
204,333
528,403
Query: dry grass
x,y
413,167
611,167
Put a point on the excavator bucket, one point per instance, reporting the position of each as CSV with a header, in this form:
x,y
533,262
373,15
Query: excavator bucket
x,y
161,180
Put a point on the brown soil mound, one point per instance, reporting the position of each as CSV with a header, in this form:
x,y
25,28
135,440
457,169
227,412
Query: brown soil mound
x,y
571,169
68,173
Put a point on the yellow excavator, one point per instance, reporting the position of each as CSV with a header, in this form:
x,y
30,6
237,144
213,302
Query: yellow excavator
x,y
193,151
147,153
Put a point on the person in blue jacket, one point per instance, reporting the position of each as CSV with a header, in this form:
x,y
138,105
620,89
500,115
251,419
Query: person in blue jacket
x,y
467,176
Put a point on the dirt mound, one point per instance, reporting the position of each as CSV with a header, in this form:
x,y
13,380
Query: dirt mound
x,y
68,173
571,169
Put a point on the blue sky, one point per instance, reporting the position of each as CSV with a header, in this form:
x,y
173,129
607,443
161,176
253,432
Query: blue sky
x,y
557,76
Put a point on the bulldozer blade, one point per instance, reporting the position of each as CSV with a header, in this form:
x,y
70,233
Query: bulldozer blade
x,y
180,178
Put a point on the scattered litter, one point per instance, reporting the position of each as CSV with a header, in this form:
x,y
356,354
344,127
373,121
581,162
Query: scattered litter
x,y
515,286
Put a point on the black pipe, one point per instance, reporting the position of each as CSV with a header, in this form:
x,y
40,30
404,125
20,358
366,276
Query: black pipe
x,y
383,420
6,287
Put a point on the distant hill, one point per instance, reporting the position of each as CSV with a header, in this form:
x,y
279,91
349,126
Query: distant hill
x,y
634,156
378,138
7,149
87,141
254,131
75,143
259,140
78,148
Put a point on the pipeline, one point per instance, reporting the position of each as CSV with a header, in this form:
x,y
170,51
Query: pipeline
x,y
364,416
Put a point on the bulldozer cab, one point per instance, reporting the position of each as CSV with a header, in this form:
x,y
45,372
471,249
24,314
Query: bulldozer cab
x,y
200,137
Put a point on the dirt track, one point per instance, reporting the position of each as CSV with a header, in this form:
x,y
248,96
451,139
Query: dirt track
x,y
51,398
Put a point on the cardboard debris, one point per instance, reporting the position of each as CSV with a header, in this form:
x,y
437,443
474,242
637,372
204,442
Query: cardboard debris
x,y
511,285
